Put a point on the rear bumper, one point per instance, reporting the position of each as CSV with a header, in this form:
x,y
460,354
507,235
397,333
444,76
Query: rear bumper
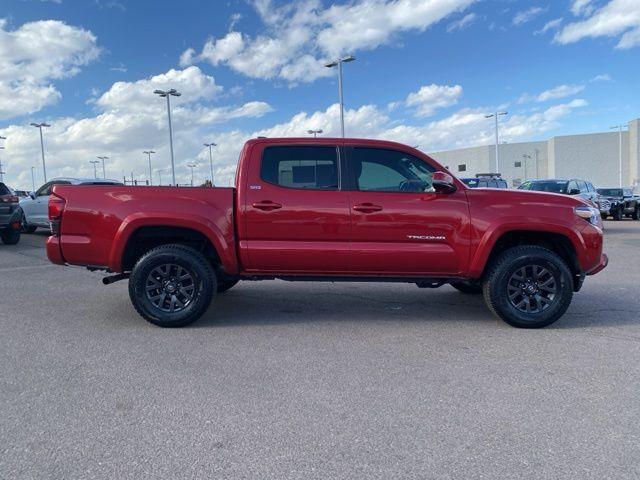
x,y
602,264
54,253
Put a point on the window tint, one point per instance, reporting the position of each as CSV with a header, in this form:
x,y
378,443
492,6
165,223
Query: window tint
x,y
314,168
502,184
590,187
573,185
45,190
482,184
381,170
547,186
4,190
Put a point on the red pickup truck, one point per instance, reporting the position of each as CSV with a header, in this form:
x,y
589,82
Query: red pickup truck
x,y
331,210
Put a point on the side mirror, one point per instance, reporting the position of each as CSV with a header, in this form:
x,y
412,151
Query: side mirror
x,y
443,182
32,195
574,191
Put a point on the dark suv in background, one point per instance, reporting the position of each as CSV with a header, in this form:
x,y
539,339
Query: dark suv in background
x,y
10,215
485,180
573,186
623,202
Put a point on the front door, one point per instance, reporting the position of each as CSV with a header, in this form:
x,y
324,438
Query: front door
x,y
400,225
295,215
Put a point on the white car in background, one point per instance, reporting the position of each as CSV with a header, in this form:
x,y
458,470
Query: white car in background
x,y
35,208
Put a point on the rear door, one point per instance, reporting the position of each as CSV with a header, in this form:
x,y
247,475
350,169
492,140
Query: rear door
x,y
400,225
295,217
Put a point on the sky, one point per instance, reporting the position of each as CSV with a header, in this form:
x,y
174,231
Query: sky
x,y
426,73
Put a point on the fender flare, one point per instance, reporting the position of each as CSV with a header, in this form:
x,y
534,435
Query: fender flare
x,y
492,235
206,227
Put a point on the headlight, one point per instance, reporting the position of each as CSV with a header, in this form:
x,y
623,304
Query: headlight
x,y
590,214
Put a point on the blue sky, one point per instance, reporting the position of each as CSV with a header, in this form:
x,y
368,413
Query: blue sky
x,y
425,73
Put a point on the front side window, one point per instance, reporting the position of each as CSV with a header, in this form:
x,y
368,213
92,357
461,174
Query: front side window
x,y
381,170
309,168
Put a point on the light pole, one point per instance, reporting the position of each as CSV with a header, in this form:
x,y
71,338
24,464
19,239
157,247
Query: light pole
x,y
211,145
102,159
39,126
496,115
525,157
1,172
191,166
338,63
314,132
159,176
619,128
536,153
167,94
148,154
95,170
33,179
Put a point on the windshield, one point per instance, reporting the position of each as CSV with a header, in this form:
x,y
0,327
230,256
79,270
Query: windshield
x,y
610,192
470,182
552,186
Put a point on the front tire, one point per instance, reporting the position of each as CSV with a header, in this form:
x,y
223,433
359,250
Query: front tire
x,y
26,228
172,285
636,213
10,236
528,287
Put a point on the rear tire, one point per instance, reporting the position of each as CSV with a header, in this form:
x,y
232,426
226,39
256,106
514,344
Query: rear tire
x,y
468,288
224,286
636,213
10,236
172,285
528,287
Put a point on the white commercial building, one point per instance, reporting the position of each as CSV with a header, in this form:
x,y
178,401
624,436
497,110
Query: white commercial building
x,y
593,157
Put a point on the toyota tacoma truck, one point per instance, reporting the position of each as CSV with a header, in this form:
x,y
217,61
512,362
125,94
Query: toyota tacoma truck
x,y
330,210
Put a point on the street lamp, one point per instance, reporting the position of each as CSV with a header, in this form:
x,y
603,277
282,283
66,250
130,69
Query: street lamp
x,y
103,158
1,172
33,179
39,126
338,63
496,115
95,171
167,94
526,157
210,145
314,132
619,128
159,171
148,154
191,166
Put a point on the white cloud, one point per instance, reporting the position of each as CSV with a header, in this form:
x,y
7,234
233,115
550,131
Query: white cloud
x,y
432,97
462,23
34,55
561,91
300,36
526,16
604,77
550,25
130,119
616,18
582,7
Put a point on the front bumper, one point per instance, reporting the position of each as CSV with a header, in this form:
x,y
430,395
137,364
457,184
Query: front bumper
x,y
602,264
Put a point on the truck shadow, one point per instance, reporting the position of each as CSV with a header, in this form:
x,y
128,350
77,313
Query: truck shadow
x,y
274,303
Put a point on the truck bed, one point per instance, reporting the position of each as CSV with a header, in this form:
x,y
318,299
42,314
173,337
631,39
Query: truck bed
x,y
98,220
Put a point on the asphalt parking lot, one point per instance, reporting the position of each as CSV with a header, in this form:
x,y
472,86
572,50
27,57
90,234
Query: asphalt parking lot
x,y
311,380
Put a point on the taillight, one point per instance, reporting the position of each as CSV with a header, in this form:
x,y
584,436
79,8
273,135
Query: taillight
x,y
9,199
56,207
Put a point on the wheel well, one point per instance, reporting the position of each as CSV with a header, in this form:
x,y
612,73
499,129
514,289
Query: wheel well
x,y
146,238
555,242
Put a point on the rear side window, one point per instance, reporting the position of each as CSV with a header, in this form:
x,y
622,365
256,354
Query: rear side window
x,y
312,168
4,190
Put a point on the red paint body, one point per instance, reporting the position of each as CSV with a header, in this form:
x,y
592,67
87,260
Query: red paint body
x,y
317,232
